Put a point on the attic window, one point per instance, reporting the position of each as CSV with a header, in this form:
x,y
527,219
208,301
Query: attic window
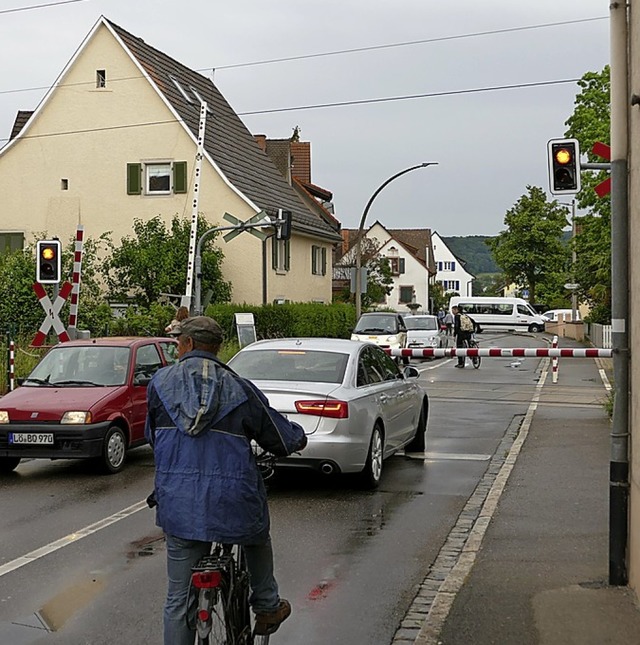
x,y
101,78
181,89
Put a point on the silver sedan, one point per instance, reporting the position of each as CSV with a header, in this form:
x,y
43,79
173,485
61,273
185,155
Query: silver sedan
x,y
355,405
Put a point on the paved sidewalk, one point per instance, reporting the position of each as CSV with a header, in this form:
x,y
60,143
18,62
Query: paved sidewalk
x,y
534,567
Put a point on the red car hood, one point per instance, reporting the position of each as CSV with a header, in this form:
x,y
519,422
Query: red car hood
x,y
50,403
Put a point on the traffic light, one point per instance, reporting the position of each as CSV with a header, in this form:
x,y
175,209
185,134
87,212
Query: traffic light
x,y
283,225
564,166
48,261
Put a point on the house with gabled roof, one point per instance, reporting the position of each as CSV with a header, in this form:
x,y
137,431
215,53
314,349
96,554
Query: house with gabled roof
x,y
410,258
452,274
116,138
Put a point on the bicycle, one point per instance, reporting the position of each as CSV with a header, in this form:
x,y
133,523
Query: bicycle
x,y
221,582
472,342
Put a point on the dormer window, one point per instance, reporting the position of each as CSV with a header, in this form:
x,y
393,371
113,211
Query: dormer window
x,y
101,78
187,97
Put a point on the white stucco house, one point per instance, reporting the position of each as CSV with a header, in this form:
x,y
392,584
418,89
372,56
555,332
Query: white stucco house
x,y
117,138
450,270
410,258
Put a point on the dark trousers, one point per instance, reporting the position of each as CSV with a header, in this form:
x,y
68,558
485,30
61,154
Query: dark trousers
x,y
462,337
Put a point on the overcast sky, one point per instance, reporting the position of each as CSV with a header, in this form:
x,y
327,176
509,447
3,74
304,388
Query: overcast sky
x,y
489,145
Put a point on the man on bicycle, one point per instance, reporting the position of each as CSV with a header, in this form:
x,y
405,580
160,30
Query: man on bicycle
x,y
201,420
463,327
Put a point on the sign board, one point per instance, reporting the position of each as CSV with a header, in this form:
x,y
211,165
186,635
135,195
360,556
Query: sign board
x,y
571,286
246,329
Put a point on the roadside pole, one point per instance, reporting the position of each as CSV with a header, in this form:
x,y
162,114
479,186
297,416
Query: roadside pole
x,y
619,464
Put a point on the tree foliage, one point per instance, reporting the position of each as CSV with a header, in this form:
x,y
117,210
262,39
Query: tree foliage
x,y
154,261
590,123
530,251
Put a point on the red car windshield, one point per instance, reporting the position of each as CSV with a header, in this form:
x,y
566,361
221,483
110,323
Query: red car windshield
x,y
81,365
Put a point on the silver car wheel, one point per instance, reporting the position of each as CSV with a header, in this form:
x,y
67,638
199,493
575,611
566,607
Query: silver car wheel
x,y
114,450
376,454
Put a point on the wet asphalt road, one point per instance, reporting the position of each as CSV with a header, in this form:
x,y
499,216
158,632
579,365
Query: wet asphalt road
x,y
350,561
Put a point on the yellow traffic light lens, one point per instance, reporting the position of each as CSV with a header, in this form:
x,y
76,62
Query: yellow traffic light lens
x,y
563,156
48,253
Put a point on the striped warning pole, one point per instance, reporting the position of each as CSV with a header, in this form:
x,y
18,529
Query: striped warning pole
x,y
75,284
12,367
554,361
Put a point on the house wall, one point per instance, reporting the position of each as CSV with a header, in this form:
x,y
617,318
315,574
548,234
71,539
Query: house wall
x,y
442,254
415,274
93,158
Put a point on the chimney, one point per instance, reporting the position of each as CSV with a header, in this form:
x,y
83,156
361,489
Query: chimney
x,y
301,160
261,140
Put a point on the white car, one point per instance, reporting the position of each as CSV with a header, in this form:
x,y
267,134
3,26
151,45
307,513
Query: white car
x,y
356,407
423,331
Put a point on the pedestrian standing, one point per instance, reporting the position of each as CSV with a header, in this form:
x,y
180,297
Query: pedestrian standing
x,y
181,314
448,321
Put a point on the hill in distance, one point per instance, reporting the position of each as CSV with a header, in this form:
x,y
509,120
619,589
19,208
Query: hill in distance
x,y
473,251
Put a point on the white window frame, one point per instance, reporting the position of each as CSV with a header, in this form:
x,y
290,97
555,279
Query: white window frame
x,y
148,168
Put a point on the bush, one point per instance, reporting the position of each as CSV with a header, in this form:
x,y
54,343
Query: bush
x,y
296,320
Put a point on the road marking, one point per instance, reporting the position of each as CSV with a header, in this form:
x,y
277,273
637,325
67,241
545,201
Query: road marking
x,y
71,538
458,456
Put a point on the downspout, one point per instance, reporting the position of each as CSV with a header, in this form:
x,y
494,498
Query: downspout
x,y
619,464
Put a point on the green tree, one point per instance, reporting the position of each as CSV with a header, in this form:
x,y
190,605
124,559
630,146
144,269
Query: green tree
x,y
589,123
531,250
154,261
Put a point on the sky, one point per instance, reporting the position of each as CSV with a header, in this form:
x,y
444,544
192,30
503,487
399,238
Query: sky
x,y
488,144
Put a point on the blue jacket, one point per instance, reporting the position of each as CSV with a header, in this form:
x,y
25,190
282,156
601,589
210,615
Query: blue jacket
x,y
200,421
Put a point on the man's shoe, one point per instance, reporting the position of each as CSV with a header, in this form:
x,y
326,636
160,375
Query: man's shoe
x,y
461,366
269,621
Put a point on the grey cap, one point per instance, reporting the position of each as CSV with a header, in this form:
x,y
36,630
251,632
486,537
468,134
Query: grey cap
x,y
201,328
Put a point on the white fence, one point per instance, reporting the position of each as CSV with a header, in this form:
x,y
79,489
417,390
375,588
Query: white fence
x,y
599,335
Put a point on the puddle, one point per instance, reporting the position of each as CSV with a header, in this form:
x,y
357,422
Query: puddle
x,y
57,611
148,545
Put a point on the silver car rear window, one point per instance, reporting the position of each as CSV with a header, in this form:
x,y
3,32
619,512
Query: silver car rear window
x,y
291,365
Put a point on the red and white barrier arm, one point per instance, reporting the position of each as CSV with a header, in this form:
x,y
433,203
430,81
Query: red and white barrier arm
x,y
496,352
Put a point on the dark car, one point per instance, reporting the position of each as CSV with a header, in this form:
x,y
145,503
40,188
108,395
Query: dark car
x,y
86,399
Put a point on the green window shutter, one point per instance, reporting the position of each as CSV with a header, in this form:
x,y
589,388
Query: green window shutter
x,y
324,260
274,253
287,255
401,265
314,268
134,178
179,176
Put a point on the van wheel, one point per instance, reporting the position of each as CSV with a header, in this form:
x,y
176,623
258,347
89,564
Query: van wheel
x,y
535,328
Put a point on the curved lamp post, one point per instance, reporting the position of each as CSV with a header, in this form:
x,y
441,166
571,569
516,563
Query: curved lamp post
x,y
361,228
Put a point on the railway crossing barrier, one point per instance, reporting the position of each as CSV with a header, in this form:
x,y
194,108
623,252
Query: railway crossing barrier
x,y
509,352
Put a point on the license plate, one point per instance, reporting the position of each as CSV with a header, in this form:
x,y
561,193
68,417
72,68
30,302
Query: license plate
x,y
33,438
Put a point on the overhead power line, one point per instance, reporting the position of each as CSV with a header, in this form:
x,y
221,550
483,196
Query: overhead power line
x,y
387,99
39,6
333,53
407,43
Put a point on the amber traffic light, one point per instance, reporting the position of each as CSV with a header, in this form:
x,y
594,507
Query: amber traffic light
x,y
564,166
48,261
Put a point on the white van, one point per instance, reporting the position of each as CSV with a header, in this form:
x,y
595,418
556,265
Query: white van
x,y
513,314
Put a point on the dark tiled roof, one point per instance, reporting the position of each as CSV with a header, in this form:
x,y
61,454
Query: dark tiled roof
x,y
227,140
21,118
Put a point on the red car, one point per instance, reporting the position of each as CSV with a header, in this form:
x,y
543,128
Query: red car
x,y
86,399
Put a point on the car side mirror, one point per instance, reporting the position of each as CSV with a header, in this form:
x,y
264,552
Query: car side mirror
x,y
411,372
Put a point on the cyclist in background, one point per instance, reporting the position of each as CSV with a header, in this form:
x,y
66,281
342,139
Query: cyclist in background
x,y
201,419
463,328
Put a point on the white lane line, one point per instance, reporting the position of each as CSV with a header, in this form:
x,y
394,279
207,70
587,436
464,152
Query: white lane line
x,y
71,538
455,456
430,631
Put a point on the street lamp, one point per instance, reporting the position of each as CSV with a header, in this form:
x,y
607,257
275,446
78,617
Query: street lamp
x,y
361,228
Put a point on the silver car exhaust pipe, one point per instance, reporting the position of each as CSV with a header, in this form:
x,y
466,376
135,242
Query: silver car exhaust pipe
x,y
327,468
